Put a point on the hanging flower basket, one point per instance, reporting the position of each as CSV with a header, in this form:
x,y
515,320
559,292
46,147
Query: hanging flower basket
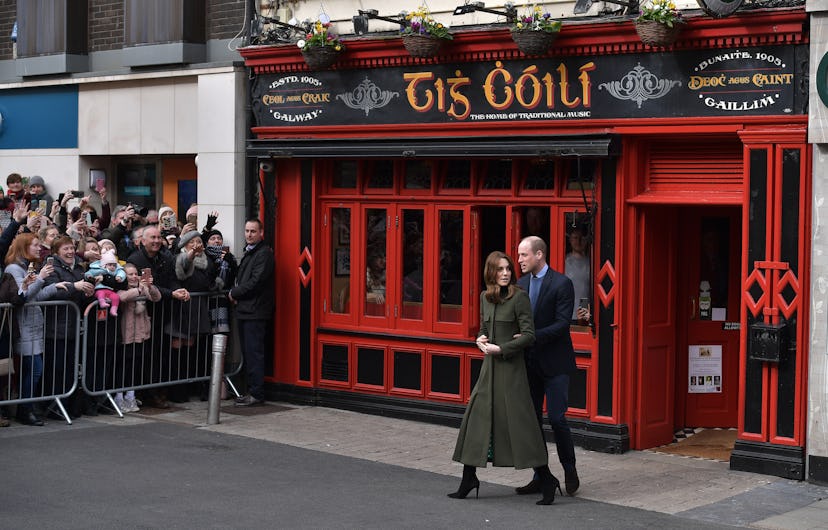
x,y
533,42
655,33
320,57
422,45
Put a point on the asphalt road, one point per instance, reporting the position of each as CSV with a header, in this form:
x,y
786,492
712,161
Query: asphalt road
x,y
166,475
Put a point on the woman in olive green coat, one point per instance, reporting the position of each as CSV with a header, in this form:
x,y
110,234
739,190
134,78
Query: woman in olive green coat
x,y
500,424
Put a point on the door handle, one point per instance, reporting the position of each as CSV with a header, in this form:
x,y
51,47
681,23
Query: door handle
x,y
692,308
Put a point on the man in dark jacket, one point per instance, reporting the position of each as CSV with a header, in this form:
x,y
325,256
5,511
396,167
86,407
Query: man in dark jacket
x,y
551,360
252,297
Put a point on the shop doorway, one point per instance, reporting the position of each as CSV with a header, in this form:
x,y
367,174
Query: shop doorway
x,y
689,283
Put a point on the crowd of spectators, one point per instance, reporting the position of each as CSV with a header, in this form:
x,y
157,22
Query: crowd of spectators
x,y
127,260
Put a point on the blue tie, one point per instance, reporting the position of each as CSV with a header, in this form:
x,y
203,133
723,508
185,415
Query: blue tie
x,y
534,288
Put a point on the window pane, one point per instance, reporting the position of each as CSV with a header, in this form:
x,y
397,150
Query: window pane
x,y
375,253
497,175
451,266
381,174
578,264
540,175
458,175
417,175
581,174
536,222
345,174
341,259
412,281
713,262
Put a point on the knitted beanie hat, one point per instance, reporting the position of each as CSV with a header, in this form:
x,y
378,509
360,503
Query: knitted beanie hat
x,y
108,257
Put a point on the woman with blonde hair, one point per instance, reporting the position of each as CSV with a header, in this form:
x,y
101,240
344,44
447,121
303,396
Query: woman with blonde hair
x,y
500,425
21,263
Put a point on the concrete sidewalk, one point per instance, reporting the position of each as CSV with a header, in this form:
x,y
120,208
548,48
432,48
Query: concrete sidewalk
x,y
704,490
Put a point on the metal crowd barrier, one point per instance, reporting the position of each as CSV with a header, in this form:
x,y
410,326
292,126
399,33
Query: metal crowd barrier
x,y
96,349
56,325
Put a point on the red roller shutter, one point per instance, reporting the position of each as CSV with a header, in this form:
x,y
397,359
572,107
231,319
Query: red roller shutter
x,y
698,166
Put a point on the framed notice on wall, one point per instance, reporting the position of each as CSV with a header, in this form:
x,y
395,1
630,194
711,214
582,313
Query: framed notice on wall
x,y
704,369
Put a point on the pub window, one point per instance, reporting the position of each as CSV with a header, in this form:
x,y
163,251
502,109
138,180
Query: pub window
x,y
539,175
578,261
413,230
497,175
581,174
380,175
535,222
375,258
345,174
417,175
340,234
451,266
457,175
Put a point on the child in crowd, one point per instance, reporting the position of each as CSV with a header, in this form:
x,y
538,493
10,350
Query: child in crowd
x,y
107,274
136,330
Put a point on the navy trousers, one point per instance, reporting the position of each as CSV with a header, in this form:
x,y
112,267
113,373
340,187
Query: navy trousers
x,y
556,391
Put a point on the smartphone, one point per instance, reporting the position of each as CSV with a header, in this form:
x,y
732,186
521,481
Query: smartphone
x,y
88,217
99,184
225,248
50,260
192,219
583,303
146,273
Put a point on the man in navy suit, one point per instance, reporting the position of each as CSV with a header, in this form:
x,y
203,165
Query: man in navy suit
x,y
551,360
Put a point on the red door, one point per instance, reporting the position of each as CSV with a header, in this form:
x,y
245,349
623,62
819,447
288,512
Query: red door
x,y
707,382
657,332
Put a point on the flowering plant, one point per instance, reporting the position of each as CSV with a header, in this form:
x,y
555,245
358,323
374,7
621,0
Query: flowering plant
x,y
420,22
537,20
320,35
662,11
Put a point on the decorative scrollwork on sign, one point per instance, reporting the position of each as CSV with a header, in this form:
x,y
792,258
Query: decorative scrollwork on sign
x,y
367,96
639,85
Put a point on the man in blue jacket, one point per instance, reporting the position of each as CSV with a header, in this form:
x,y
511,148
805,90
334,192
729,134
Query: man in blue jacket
x,y
252,297
551,360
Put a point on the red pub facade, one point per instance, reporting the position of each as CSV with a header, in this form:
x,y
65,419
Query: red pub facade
x,y
673,184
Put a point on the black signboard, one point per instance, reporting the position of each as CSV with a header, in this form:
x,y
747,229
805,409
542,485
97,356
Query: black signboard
x,y
764,81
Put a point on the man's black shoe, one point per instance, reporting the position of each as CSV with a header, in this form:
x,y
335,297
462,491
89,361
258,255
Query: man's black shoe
x,y
533,487
249,401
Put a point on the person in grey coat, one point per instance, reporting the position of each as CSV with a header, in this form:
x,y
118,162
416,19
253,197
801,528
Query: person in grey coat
x,y
252,298
29,343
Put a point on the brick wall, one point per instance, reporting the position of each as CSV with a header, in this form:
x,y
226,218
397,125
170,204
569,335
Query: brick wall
x,y
8,13
224,18
106,25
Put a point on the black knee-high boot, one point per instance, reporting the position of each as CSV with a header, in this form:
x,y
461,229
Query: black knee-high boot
x,y
468,483
548,485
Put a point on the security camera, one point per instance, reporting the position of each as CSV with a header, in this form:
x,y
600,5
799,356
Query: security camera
x,y
267,167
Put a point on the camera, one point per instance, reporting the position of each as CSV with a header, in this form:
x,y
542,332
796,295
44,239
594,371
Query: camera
x,y
139,210
78,194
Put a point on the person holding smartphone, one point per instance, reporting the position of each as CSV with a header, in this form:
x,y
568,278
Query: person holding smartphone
x,y
60,322
226,266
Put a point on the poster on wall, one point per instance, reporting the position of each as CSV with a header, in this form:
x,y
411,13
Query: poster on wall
x,y
705,369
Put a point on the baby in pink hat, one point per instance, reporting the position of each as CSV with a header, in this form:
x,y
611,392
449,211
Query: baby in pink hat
x,y
107,275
